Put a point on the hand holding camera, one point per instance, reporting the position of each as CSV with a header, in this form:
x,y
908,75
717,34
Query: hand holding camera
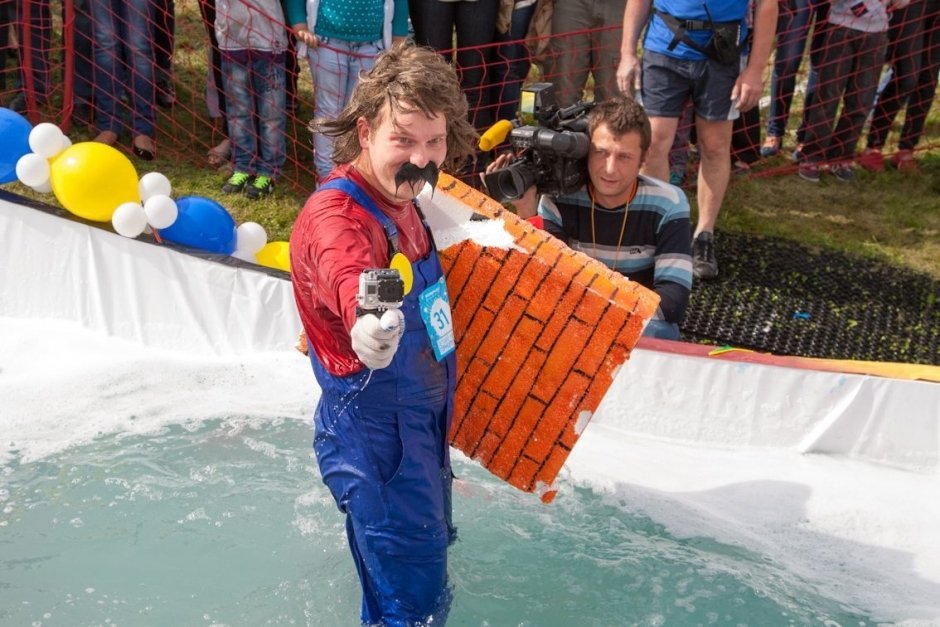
x,y
381,323
375,339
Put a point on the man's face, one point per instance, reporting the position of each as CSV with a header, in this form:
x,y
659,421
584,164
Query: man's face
x,y
400,138
613,165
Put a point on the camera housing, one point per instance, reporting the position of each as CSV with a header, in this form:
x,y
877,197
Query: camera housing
x,y
550,146
380,289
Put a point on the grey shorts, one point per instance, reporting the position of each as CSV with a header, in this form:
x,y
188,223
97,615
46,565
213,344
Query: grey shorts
x,y
668,82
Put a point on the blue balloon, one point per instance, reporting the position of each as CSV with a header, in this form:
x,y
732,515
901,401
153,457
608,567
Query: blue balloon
x,y
204,224
14,142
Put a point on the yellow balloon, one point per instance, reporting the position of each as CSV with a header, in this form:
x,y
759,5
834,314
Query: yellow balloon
x,y
92,179
275,255
400,262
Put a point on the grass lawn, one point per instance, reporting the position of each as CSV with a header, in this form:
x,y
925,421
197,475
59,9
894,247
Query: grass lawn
x,y
889,216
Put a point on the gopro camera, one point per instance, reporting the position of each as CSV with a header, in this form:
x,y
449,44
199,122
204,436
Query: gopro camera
x,y
380,289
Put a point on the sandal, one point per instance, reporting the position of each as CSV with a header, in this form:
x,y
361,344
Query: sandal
x,y
108,138
143,147
220,154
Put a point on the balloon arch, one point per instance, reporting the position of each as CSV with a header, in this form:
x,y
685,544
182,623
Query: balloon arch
x,y
99,183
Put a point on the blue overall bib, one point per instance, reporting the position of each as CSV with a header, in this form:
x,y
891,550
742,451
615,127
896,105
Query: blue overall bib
x,y
381,443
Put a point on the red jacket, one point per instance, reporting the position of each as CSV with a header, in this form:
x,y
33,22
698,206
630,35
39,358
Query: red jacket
x,y
333,241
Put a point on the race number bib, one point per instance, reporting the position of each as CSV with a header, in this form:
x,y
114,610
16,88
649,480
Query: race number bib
x,y
435,311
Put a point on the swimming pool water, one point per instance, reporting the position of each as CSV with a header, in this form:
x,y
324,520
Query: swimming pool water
x,y
225,522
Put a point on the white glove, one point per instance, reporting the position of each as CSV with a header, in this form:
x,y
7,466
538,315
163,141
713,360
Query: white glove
x,y
375,341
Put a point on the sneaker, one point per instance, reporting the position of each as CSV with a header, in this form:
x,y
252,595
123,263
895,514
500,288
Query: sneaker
x,y
236,183
904,161
809,172
261,186
740,168
771,147
872,160
843,172
797,155
704,264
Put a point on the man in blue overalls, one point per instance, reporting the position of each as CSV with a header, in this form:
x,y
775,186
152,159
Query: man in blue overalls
x,y
381,426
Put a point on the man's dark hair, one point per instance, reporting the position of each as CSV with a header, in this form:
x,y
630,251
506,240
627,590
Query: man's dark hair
x,y
622,114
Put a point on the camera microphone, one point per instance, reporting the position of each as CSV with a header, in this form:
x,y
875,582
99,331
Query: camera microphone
x,y
496,134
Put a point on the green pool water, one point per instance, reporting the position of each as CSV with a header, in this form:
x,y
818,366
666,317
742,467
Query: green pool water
x,y
226,523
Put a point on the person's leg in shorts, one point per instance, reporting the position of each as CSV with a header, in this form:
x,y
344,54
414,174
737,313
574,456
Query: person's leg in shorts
x,y
714,120
666,83
666,86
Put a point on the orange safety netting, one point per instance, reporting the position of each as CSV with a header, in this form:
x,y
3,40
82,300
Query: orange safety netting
x,y
53,71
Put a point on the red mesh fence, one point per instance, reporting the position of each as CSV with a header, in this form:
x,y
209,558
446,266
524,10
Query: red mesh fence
x,y
157,72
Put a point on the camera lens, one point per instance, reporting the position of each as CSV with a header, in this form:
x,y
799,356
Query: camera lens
x,y
510,183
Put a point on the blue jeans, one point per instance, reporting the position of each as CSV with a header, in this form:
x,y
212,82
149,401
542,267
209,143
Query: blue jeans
x,y
40,33
661,330
820,15
254,85
335,65
122,31
37,28
511,65
792,31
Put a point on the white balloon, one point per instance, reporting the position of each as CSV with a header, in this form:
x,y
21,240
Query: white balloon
x,y
250,237
129,219
32,169
45,188
154,184
245,255
66,142
46,140
161,211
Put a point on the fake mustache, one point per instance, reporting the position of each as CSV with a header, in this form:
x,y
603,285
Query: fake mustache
x,y
412,174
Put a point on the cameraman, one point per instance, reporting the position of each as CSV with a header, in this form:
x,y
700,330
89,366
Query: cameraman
x,y
636,225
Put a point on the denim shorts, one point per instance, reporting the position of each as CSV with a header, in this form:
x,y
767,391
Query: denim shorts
x,y
668,82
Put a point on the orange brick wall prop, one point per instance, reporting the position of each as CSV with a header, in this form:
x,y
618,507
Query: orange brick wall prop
x,y
539,334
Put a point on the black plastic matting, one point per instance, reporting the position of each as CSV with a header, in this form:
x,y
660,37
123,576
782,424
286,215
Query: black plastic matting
x,y
778,296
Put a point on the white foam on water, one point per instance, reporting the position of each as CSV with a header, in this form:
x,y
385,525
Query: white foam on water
x,y
62,385
860,533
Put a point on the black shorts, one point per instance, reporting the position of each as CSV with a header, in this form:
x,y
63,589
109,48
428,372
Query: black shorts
x,y
668,82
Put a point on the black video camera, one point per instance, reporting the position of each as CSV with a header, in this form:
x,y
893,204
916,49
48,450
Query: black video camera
x,y
550,146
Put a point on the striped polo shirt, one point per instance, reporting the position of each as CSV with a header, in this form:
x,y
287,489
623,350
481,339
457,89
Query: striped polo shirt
x,y
655,249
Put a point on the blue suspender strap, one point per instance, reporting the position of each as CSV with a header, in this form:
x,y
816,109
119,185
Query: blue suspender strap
x,y
355,192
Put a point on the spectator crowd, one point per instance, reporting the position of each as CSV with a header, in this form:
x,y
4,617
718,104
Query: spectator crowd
x,y
698,69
